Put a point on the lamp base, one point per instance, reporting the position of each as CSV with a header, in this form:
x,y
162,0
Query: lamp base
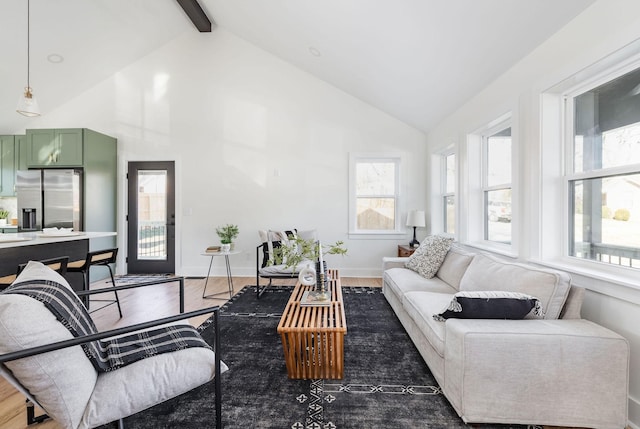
x,y
414,242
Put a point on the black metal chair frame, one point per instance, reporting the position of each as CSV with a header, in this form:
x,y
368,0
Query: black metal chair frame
x,y
271,277
62,270
31,418
62,260
85,270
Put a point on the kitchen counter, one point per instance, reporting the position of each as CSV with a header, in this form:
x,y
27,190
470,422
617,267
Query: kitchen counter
x,y
18,248
11,240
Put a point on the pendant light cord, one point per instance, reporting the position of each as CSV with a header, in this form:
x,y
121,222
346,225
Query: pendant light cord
x,y
28,44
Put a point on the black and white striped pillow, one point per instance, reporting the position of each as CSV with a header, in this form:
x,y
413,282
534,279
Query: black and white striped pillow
x,y
490,305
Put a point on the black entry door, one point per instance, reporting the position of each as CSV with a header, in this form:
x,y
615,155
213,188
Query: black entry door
x,y
151,217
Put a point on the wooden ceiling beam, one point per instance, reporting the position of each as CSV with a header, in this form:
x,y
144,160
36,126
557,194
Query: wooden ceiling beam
x,y
196,15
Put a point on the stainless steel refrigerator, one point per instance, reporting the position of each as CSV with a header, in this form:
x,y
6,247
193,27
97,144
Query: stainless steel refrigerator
x,y
49,198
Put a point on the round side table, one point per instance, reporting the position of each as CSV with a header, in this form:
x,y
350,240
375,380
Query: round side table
x,y
229,277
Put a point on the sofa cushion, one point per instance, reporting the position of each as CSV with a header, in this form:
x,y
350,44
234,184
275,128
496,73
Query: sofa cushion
x,y
426,260
402,280
573,305
490,305
489,273
454,266
61,381
421,306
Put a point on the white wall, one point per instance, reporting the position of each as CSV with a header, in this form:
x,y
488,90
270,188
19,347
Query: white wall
x,y
257,142
606,27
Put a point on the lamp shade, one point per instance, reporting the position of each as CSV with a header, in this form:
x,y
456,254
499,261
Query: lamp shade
x,y
416,218
27,104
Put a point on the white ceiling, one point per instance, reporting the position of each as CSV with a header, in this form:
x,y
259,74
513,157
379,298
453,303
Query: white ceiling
x,y
417,60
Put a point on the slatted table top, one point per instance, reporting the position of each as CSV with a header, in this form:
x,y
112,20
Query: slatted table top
x,y
329,318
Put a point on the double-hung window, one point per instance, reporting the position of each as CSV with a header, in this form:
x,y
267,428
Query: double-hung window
x,y
449,193
496,187
374,202
603,171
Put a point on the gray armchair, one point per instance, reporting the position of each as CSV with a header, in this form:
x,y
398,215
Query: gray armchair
x,y
43,360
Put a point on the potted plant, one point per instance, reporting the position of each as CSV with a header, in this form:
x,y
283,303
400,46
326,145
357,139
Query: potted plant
x,y
298,250
4,214
227,233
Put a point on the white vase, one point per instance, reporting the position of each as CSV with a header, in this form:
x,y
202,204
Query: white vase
x,y
3,222
225,247
307,275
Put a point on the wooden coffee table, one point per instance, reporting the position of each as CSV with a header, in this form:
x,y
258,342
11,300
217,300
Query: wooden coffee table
x,y
313,337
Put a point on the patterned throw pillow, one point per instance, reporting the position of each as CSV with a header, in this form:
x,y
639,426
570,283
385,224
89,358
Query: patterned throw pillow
x,y
491,305
427,258
272,240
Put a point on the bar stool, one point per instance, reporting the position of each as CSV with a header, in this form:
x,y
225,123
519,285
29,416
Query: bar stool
x,y
58,264
103,258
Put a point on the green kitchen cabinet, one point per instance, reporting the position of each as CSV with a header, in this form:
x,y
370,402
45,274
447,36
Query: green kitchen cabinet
x,y
7,166
21,152
55,147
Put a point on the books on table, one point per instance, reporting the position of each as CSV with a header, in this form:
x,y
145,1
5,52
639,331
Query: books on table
x,y
315,298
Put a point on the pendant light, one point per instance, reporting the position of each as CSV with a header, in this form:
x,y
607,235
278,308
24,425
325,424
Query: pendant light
x,y
27,104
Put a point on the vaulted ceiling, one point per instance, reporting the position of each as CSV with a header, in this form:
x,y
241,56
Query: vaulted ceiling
x,y
417,60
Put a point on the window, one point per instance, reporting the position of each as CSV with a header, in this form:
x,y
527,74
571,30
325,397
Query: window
x,y
497,185
449,196
374,194
603,179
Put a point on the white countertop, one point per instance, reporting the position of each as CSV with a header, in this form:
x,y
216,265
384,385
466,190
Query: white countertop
x,y
38,237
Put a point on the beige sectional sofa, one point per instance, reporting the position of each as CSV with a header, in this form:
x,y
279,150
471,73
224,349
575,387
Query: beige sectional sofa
x,y
557,369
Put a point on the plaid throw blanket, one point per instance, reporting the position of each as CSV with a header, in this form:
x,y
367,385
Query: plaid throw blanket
x,y
112,353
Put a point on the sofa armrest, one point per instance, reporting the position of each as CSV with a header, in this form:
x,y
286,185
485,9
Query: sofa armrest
x,y
393,262
558,372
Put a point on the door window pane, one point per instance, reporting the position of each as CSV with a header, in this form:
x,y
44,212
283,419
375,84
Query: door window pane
x,y
152,214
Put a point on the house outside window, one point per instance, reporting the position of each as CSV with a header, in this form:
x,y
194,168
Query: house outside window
x,y
497,185
603,178
448,194
374,189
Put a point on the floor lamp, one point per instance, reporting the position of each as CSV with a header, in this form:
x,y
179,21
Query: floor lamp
x,y
415,218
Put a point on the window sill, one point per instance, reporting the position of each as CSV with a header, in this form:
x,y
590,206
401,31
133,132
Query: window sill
x,y
608,280
390,235
497,249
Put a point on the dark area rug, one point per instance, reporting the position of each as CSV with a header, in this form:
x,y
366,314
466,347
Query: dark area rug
x,y
386,383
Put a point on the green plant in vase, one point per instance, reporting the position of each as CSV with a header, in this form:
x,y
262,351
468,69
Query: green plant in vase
x,y
227,233
4,214
296,251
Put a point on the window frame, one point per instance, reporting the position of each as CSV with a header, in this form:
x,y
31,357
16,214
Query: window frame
x,y
551,249
486,188
445,194
569,175
359,158
474,187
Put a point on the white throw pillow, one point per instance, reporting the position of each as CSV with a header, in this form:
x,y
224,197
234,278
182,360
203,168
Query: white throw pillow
x,y
427,258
